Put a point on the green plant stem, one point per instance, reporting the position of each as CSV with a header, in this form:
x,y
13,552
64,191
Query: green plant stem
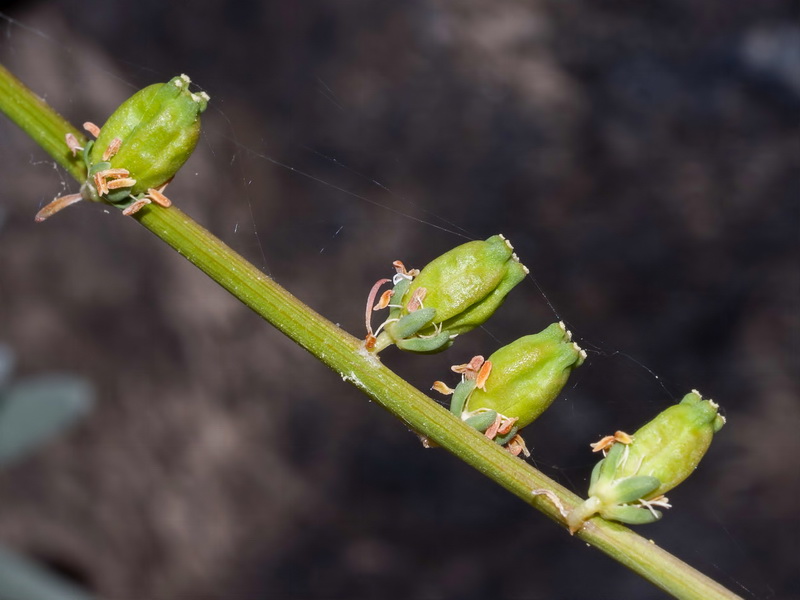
x,y
41,122
345,355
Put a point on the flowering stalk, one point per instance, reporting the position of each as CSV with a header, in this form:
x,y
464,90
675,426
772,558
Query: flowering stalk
x,y
344,354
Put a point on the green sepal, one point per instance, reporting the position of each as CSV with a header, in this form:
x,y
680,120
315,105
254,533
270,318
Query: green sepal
x,y
87,151
528,374
159,127
504,439
99,166
436,343
411,323
635,488
595,474
398,292
632,515
603,472
460,395
482,421
120,196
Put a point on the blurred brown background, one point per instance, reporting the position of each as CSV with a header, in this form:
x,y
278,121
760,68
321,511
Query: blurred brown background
x,y
643,158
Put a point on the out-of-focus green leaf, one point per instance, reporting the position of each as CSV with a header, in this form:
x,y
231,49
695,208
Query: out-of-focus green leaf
x,y
21,579
6,363
34,410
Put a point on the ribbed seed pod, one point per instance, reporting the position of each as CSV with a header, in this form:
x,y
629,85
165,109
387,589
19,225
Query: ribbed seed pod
x,y
528,374
509,391
630,482
139,149
453,294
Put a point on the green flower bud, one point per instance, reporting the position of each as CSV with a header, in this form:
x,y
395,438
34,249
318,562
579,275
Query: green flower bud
x,y
453,294
139,149
633,478
528,374
509,391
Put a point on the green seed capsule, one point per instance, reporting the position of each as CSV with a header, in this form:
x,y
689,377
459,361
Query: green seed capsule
x,y
632,479
139,149
453,294
468,283
528,374
670,446
509,391
159,127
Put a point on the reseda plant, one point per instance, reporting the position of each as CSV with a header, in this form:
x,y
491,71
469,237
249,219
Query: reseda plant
x,y
157,129
151,135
